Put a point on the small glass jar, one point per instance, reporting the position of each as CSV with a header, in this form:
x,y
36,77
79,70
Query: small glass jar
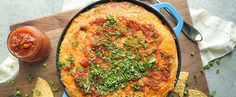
x,y
28,44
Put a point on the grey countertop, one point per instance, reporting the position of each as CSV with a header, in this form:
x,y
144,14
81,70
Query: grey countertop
x,y
224,83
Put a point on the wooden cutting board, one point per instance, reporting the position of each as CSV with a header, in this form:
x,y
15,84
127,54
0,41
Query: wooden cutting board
x,y
54,24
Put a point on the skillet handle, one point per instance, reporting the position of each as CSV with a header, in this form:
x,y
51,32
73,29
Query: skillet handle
x,y
174,13
64,95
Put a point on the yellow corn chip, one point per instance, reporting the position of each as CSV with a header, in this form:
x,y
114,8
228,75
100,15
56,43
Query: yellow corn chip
x,y
42,89
180,86
195,93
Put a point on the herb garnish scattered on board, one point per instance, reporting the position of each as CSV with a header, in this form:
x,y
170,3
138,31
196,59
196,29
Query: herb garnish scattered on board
x,y
195,78
17,92
213,94
11,82
56,89
211,63
30,78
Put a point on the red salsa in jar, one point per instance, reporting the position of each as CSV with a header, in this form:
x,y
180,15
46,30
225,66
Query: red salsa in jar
x,y
28,44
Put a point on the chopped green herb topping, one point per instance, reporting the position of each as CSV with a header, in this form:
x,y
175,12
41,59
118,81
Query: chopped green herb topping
x,y
60,65
217,61
85,84
217,71
118,34
194,76
135,87
125,62
70,60
152,59
26,95
29,78
11,82
99,53
56,89
111,21
211,63
213,94
74,43
52,83
17,92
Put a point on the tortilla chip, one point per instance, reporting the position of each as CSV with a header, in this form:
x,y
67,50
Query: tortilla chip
x,y
42,89
195,93
180,86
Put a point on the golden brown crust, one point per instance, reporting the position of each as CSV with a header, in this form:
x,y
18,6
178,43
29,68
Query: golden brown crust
x,y
134,13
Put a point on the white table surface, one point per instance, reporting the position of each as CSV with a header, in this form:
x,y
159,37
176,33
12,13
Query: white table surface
x,y
15,11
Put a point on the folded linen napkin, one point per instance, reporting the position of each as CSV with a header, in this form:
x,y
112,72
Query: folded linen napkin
x,y
219,36
9,68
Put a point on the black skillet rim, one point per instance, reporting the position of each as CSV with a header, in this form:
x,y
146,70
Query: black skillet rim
x,y
145,6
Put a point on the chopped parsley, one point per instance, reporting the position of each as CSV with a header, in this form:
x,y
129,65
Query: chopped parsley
x,y
118,34
211,63
111,21
195,78
95,71
217,71
56,89
152,59
60,64
99,53
85,84
30,78
26,95
17,92
52,83
213,94
74,43
217,61
70,60
11,82
135,87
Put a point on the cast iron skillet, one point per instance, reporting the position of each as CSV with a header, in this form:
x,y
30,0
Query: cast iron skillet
x,y
154,9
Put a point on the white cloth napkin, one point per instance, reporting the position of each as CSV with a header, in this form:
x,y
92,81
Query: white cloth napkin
x,y
219,36
9,68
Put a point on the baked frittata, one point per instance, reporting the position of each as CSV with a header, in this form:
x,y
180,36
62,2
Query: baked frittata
x,y
118,49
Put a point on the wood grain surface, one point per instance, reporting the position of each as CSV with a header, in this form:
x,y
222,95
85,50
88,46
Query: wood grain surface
x,y
54,24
